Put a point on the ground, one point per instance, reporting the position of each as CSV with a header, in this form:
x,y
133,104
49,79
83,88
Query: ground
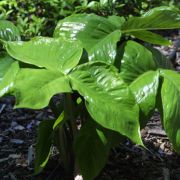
x,y
126,162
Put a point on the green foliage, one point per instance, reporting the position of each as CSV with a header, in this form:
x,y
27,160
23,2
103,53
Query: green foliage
x,y
39,17
111,84
36,17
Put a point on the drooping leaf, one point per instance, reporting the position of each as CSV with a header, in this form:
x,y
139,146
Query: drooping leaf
x,y
170,95
157,18
8,31
5,63
108,99
160,60
151,37
51,53
98,35
92,158
91,150
145,89
137,59
35,87
44,143
7,81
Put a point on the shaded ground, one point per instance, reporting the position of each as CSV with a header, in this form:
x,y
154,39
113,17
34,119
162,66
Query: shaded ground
x,y
126,162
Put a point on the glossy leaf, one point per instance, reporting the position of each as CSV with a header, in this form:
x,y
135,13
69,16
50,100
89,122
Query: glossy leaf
x,y
8,31
170,94
137,59
108,99
98,35
151,37
35,87
158,18
54,54
145,89
5,63
43,146
7,81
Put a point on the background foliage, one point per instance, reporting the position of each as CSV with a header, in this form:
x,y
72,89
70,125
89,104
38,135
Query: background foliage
x,y
39,17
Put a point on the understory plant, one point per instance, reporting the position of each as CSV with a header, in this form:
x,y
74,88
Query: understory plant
x,y
109,82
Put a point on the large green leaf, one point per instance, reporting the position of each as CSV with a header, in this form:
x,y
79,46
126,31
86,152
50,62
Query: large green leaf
x,y
138,59
92,158
7,81
170,94
43,146
151,37
145,89
108,99
97,34
5,63
35,87
91,150
51,53
8,31
158,18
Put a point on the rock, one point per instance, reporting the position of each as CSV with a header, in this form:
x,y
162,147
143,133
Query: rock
x,y
1,139
19,127
30,155
14,156
4,159
16,141
16,126
78,177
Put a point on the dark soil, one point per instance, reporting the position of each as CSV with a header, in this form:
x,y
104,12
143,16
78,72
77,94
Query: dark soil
x,y
126,162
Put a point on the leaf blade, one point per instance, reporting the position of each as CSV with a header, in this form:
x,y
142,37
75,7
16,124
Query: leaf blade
x,y
107,97
145,89
8,31
157,18
34,87
53,54
170,95
94,32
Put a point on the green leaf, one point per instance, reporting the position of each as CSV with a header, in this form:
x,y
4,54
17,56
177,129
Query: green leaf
x,y
151,37
158,18
43,146
108,99
5,63
138,59
51,53
170,95
8,31
117,21
160,60
92,158
98,35
145,89
59,120
35,87
7,81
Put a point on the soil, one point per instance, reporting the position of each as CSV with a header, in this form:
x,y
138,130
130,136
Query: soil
x,y
126,162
